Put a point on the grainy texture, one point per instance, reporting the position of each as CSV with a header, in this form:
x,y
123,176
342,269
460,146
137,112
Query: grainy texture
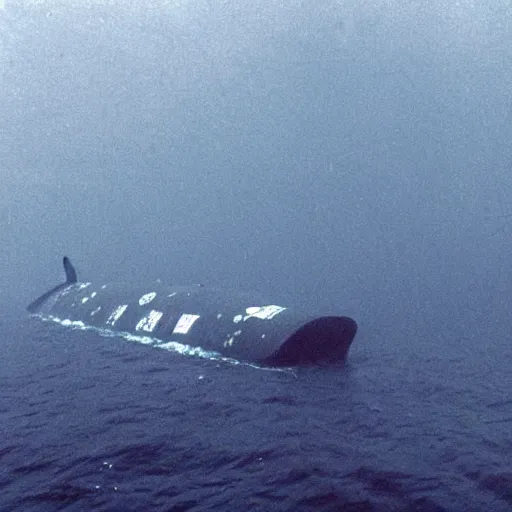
x,y
101,423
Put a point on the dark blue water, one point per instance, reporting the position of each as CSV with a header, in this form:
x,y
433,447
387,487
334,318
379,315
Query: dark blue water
x,y
98,423
353,155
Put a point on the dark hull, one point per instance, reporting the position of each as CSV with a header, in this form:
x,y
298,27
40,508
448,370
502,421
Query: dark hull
x,y
238,326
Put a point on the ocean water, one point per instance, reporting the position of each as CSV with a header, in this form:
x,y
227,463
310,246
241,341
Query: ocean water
x,y
90,422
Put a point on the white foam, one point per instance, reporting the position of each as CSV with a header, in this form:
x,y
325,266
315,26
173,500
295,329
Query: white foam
x,y
170,346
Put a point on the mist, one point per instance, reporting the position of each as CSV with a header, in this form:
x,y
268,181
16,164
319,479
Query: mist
x,y
350,157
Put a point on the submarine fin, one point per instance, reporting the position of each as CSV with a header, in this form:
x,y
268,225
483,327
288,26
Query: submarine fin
x,y
70,270
71,278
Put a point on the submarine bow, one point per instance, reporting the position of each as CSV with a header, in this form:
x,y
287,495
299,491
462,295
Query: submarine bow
x,y
235,325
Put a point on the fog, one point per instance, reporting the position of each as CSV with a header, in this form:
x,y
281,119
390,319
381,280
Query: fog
x,y
351,156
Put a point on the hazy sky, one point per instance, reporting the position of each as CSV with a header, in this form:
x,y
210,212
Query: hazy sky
x,y
352,155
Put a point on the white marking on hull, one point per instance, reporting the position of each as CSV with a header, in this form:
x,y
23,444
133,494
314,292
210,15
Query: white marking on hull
x,y
263,312
229,342
148,323
184,324
116,314
146,299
